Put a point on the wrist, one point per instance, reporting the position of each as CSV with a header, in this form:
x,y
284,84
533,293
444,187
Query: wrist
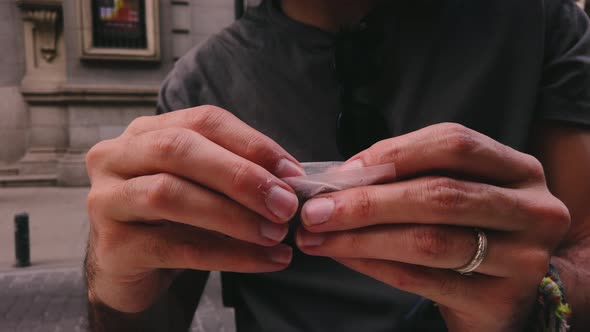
x,y
129,298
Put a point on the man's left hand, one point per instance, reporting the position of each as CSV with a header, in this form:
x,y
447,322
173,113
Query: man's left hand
x,y
411,234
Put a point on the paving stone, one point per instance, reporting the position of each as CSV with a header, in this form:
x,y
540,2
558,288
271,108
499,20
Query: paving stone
x,y
27,325
38,307
55,309
19,308
5,304
55,301
5,281
8,325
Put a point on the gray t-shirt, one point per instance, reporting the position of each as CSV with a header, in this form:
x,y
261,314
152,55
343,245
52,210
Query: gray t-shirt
x,y
494,66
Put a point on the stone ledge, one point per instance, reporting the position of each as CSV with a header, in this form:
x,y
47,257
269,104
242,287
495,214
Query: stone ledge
x,y
8,170
36,4
91,95
42,180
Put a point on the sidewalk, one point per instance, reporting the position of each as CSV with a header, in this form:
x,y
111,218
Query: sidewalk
x,y
50,295
58,224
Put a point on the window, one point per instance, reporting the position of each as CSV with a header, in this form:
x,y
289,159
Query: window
x,y
119,24
120,29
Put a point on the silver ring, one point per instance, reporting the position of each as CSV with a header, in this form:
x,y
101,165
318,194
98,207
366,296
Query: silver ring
x,y
480,254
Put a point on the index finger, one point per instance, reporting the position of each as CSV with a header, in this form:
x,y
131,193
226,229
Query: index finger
x,y
451,149
227,131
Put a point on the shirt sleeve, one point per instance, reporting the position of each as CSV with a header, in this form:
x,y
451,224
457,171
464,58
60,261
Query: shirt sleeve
x,y
181,87
565,83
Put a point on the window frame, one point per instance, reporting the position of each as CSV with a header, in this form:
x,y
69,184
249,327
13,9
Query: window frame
x,y
89,52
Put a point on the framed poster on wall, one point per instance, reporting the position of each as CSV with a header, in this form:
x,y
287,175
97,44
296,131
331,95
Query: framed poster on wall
x,y
120,29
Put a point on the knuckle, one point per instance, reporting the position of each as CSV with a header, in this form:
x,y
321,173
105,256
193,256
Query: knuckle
x,y
459,139
430,242
383,152
364,204
161,191
206,118
96,155
356,243
170,144
535,168
563,216
558,216
99,207
192,254
93,156
241,173
447,194
138,124
93,204
550,211
255,144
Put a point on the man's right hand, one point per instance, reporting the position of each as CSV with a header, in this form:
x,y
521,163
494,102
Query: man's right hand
x,y
193,189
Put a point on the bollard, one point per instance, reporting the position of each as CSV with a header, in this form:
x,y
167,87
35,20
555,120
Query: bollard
x,y
239,8
21,240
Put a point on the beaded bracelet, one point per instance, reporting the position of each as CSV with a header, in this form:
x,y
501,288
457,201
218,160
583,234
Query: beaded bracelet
x,y
552,310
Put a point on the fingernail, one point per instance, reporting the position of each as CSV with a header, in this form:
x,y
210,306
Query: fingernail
x,y
307,239
273,231
281,254
286,168
317,211
281,202
356,164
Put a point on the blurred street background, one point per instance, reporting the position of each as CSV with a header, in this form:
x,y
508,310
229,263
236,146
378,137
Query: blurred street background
x,y
50,295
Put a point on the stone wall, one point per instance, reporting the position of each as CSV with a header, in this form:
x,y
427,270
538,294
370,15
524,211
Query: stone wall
x,y
198,19
55,107
13,114
183,24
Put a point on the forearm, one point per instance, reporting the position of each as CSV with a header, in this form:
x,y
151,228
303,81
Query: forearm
x,y
573,265
172,312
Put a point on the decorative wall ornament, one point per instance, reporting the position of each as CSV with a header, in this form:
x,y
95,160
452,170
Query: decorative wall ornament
x,y
45,16
46,27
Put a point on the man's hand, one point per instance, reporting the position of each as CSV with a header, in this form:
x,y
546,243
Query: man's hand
x,y
194,189
411,233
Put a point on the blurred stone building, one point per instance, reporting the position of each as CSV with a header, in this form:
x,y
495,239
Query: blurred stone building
x,y
74,72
